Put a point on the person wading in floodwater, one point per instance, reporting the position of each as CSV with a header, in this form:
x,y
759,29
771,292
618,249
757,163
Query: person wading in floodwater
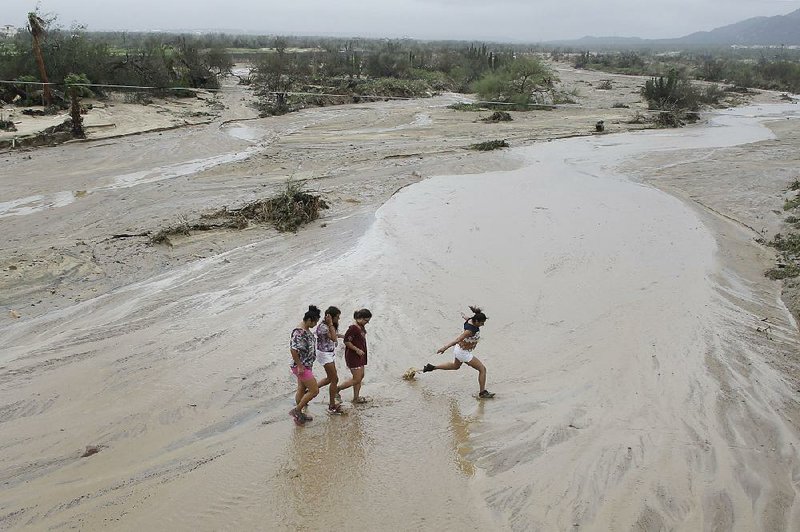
x,y
302,347
355,354
465,344
327,334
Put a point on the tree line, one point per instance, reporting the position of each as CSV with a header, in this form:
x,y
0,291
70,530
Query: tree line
x,y
287,72
760,68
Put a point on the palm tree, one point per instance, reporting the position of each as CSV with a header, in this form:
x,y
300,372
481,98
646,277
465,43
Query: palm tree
x,y
36,27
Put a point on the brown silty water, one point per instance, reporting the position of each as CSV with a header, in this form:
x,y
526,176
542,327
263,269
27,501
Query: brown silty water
x,y
627,396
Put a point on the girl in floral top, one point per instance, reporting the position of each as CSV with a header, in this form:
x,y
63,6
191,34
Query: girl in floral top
x,y
303,349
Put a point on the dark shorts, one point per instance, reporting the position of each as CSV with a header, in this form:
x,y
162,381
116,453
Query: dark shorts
x,y
353,360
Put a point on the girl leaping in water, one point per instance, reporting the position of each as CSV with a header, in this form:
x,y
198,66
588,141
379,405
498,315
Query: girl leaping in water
x,y
465,344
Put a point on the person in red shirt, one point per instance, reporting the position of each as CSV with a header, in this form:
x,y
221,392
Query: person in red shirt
x,y
355,353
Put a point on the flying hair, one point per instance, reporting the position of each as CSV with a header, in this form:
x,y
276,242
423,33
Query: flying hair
x,y
477,314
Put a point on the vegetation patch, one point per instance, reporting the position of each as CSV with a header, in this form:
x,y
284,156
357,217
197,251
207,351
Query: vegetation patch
x,y
788,248
286,211
498,116
791,204
491,106
666,119
489,145
461,106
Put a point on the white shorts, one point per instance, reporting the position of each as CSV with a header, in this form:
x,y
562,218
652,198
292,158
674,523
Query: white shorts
x,y
324,357
461,354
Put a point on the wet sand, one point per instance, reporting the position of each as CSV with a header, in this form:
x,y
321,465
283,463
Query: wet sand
x,y
634,389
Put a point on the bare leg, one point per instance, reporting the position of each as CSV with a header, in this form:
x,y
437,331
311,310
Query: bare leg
x,y
301,391
358,376
311,391
455,364
332,378
477,364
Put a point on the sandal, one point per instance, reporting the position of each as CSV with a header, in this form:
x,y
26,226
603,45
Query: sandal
x,y
428,367
297,417
360,400
486,394
335,410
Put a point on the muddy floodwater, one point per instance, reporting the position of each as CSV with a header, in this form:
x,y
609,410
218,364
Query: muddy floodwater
x,y
633,392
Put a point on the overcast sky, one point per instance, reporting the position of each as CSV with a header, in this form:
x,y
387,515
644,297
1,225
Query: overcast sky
x,y
506,20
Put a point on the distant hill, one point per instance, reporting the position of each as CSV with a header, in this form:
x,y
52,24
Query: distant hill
x,y
778,30
782,29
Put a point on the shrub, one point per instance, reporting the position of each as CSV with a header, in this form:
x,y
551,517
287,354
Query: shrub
x,y
712,95
786,272
789,250
80,81
461,106
638,118
668,119
489,145
671,93
498,116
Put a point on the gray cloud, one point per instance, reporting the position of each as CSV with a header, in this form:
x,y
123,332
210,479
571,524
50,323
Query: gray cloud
x,y
518,20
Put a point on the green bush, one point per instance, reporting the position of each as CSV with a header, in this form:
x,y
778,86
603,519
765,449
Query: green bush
x,y
671,93
80,81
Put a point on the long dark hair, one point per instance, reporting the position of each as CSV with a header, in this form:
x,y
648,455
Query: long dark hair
x,y
477,314
312,314
332,311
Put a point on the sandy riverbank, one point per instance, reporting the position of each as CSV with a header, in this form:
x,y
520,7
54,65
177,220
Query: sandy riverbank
x,y
635,389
